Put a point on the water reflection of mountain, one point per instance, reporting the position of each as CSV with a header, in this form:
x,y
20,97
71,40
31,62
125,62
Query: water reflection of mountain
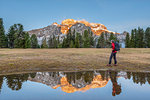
x,y
75,81
70,82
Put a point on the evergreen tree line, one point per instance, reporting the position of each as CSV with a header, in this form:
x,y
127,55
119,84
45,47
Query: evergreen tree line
x,y
104,40
139,38
71,40
76,40
86,40
18,38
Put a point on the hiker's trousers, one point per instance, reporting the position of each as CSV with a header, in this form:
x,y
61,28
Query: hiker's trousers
x,y
114,56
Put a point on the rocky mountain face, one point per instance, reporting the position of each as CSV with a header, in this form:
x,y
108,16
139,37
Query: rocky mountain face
x,y
53,29
46,31
70,24
67,24
96,28
121,37
80,28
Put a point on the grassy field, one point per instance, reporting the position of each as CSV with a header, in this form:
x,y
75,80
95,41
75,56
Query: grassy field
x,y
18,60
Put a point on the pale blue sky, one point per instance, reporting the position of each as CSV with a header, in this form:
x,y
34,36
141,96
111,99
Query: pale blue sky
x,y
116,15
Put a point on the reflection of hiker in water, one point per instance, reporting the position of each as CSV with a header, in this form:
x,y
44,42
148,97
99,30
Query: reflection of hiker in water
x,y
116,88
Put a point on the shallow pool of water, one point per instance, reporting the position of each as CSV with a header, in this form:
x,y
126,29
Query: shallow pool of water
x,y
89,85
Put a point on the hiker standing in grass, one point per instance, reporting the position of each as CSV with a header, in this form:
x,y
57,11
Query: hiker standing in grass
x,y
115,47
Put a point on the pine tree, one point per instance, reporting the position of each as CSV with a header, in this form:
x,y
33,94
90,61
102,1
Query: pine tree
x,y
50,42
19,41
23,40
77,42
98,43
44,44
17,37
68,39
132,40
136,38
55,42
140,41
147,37
27,40
73,37
112,37
91,39
6,41
80,40
127,41
34,41
11,37
59,44
107,42
3,39
102,41
72,44
86,40
64,43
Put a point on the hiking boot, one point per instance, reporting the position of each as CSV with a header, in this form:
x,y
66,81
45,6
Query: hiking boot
x,y
108,64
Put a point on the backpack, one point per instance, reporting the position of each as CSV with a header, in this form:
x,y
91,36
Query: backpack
x,y
117,46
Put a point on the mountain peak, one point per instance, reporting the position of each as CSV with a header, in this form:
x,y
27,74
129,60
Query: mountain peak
x,y
96,28
67,24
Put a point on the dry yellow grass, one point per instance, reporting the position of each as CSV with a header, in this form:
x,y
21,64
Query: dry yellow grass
x,y
15,60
